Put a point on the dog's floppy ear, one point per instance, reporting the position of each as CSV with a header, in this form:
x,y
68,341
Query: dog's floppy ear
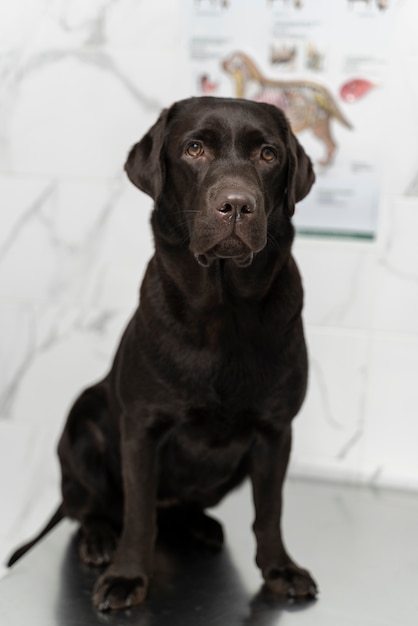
x,y
300,176
145,163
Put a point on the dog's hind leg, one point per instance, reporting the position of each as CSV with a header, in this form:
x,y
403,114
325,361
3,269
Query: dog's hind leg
x,y
98,541
185,522
90,486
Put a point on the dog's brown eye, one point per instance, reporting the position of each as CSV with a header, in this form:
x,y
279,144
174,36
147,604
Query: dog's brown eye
x,y
194,149
268,154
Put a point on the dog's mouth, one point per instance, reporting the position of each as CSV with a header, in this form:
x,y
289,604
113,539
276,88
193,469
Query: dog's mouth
x,y
232,249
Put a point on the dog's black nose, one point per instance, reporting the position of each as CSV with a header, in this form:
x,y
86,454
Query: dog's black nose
x,y
235,205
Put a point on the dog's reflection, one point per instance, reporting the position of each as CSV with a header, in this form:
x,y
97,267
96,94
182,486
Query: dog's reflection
x,y
192,586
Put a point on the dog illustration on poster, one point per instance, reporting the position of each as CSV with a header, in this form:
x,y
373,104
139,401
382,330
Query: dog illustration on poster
x,y
307,104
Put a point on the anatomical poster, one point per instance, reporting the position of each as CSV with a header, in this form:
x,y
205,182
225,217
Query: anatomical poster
x,y
325,63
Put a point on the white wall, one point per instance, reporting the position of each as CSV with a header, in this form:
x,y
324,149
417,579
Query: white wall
x,y
79,83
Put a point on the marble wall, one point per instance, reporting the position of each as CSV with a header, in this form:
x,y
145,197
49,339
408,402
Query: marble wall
x,y
79,83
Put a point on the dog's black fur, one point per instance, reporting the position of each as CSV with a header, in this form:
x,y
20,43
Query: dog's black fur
x,y
212,368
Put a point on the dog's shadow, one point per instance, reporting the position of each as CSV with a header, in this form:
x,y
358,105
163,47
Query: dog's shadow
x,y
191,587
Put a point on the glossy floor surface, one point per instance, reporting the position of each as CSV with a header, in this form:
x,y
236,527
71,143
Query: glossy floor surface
x,y
360,544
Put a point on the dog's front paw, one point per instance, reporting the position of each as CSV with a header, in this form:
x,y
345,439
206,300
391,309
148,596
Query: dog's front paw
x,y
291,581
112,592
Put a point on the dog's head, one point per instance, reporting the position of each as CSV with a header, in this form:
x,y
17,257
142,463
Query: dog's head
x,y
225,175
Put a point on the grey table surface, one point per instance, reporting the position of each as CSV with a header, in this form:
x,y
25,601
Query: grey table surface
x,y
361,544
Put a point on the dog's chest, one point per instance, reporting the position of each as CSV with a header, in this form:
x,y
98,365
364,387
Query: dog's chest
x,y
204,452
215,427
247,362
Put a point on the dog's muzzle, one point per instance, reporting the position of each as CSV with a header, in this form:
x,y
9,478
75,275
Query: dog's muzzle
x,y
232,227
205,260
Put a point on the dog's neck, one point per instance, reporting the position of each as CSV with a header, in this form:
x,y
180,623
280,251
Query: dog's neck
x,y
223,282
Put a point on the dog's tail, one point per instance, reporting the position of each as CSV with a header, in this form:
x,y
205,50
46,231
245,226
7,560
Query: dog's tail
x,y
55,519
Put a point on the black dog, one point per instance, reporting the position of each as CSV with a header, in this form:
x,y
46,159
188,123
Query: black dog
x,y
212,368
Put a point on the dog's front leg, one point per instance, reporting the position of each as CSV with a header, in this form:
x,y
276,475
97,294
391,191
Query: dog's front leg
x,y
125,582
268,469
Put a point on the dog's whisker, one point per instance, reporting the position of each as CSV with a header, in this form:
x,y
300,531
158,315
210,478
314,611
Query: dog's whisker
x,y
273,241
